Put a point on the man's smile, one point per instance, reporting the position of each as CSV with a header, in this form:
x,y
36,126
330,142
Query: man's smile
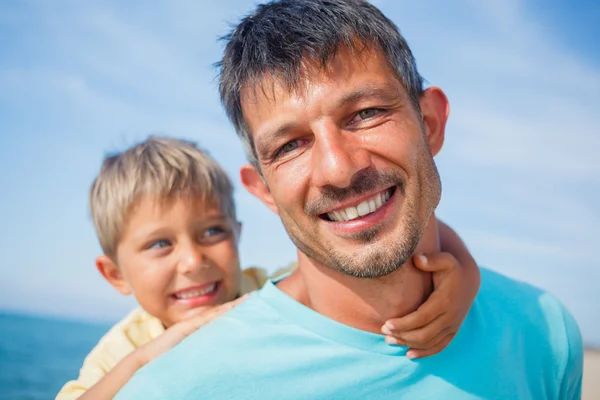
x,y
360,208
365,214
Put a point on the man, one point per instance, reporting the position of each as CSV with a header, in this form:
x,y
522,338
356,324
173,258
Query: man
x,y
341,137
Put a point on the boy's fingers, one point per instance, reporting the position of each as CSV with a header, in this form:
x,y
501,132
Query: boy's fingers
x,y
433,341
425,314
435,262
420,353
423,337
189,326
395,341
420,345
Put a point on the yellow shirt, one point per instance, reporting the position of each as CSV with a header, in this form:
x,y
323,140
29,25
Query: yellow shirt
x,y
133,331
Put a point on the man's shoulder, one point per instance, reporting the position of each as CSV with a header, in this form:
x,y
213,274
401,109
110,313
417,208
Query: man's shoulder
x,y
245,322
498,290
212,353
518,299
495,283
532,310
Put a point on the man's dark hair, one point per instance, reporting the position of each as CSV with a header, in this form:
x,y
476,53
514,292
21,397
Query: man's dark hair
x,y
280,35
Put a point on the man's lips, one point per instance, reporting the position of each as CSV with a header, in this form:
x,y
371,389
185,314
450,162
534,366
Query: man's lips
x,y
360,208
196,291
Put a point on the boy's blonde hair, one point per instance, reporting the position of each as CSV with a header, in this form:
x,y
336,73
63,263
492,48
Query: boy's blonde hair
x,y
163,168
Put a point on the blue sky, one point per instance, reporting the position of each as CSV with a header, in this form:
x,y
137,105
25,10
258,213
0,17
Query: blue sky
x,y
521,179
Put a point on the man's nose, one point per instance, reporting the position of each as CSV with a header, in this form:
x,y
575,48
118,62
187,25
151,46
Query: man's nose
x,y
337,157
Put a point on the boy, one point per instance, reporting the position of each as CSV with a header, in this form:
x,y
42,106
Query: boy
x,y
165,218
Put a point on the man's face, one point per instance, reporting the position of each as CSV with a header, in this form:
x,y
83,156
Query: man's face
x,y
345,163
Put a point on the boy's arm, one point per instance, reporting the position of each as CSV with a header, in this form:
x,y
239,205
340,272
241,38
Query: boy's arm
x,y
116,378
90,373
456,279
101,359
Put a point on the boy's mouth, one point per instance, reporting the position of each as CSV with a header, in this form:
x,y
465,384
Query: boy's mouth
x,y
197,291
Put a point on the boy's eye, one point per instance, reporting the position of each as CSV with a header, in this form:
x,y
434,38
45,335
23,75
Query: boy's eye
x,y
215,230
159,244
213,235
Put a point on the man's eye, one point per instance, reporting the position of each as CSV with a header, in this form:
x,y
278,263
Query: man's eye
x,y
287,148
365,115
159,244
368,113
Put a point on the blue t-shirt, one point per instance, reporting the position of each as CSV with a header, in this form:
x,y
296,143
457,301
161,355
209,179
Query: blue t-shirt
x,y
517,342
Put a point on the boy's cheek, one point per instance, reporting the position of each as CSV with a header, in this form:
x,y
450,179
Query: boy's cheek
x,y
151,292
234,286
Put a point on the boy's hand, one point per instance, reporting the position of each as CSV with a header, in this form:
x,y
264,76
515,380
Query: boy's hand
x,y
430,328
176,333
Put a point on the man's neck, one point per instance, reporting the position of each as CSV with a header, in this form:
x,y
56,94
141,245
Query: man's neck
x,y
363,303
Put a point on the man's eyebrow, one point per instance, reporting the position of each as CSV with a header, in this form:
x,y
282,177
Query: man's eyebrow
x,y
273,135
384,92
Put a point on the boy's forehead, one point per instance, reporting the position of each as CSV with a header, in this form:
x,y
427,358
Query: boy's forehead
x,y
150,213
195,205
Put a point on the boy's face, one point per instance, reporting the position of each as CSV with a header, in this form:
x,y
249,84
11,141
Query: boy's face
x,y
179,258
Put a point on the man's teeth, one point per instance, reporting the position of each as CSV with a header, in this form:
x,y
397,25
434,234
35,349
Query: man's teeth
x,y
366,207
196,293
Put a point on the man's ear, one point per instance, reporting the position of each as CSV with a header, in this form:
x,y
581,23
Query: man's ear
x,y
112,274
435,109
255,184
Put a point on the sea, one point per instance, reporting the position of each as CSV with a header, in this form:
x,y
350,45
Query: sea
x,y
39,354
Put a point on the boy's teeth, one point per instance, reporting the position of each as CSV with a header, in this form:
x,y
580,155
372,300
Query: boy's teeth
x,y
196,293
366,207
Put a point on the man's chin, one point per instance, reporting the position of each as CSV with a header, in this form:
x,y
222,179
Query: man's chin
x,y
367,269
371,259
351,241
368,263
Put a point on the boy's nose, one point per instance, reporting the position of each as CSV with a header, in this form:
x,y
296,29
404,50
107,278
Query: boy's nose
x,y
191,260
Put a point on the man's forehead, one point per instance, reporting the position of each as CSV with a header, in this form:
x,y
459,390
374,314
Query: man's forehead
x,y
272,86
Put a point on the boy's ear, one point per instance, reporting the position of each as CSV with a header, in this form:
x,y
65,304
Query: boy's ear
x,y
435,109
112,274
255,184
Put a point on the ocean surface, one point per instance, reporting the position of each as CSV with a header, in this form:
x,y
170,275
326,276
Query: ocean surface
x,y
39,354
